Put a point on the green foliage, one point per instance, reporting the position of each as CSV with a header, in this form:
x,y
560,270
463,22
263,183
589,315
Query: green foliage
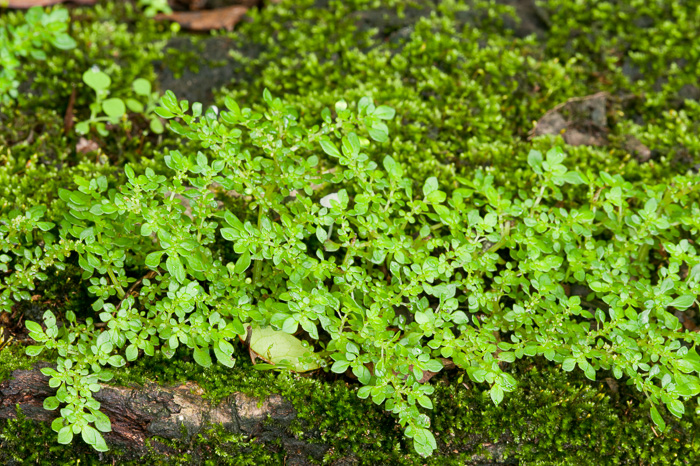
x,y
114,108
386,279
643,46
154,7
29,40
562,260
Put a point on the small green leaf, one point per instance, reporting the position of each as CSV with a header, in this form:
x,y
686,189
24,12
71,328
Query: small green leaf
x,y
351,145
658,420
430,186
51,403
132,352
384,112
339,367
169,101
65,435
57,424
328,147
156,126
89,435
202,357
230,234
379,132
233,107
425,402
33,350
96,79
223,350
114,108
267,96
102,422
496,394
362,373
134,105
175,267
676,408
233,221
321,234
534,159
33,326
569,364
83,127
142,87
683,302
364,392
573,177
153,259
243,262
116,361
555,156
62,41
163,112
424,442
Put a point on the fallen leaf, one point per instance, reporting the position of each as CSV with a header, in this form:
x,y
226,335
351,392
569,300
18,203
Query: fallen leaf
x,y
580,121
205,20
30,3
280,348
85,146
193,5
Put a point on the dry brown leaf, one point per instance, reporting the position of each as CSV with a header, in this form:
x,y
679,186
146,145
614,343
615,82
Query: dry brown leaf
x,y
580,121
30,3
85,146
193,5
221,18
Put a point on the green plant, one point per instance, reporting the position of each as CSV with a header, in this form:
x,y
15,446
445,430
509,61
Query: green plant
x,y
29,39
385,279
114,108
153,7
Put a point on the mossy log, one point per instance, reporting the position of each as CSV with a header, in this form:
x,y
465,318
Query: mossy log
x,y
141,412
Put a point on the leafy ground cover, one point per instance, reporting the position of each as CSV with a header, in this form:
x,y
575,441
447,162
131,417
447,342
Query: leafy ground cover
x,y
580,259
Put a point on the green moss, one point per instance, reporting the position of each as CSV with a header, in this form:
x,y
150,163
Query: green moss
x,y
466,92
12,358
553,418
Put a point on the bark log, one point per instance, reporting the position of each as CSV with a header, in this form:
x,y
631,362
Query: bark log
x,y
138,413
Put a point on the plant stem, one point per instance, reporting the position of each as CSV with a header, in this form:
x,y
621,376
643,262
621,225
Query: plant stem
x,y
120,290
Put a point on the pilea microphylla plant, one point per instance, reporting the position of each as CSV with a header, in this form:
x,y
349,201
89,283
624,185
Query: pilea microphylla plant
x,y
115,108
310,231
29,41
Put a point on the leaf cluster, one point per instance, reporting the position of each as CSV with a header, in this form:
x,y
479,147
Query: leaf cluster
x,y
29,40
114,109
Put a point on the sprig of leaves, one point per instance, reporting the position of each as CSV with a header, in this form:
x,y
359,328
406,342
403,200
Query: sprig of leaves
x,y
30,40
105,109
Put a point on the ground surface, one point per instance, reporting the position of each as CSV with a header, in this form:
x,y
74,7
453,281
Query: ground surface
x,y
615,83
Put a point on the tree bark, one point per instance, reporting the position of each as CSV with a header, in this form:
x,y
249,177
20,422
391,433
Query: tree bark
x,y
138,413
